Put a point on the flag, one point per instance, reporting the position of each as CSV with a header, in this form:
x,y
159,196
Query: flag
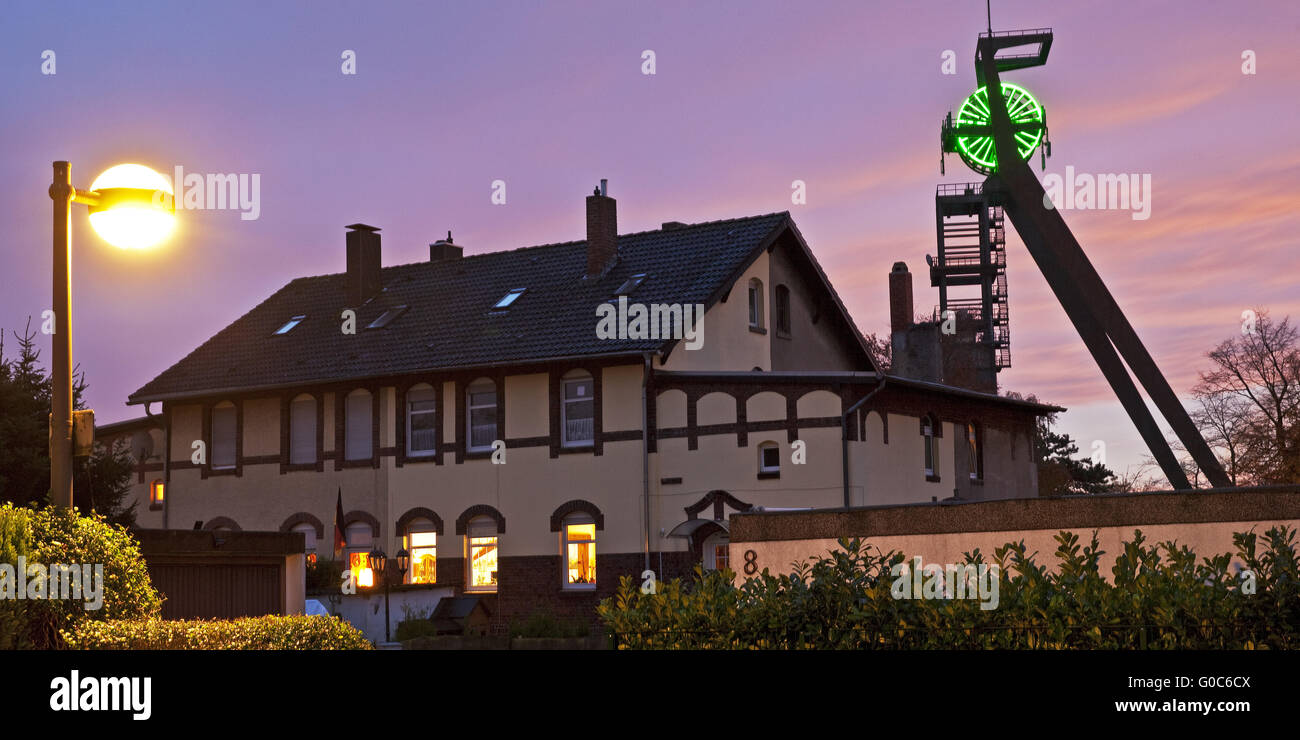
x,y
340,540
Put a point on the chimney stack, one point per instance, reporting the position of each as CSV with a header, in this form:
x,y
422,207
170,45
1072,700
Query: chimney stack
x,y
445,249
363,256
602,231
900,298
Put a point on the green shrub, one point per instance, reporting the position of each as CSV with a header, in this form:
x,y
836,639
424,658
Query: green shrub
x,y
1157,597
545,624
409,629
56,535
324,576
249,633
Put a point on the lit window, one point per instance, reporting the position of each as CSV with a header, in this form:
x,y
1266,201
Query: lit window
x,y
974,452
422,543
387,317
481,416
481,555
360,537
223,435
156,493
580,552
357,444
781,304
421,426
716,552
630,284
302,430
769,458
578,411
309,540
931,444
509,298
756,303
288,325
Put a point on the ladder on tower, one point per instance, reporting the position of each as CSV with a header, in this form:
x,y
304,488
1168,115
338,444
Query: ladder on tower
x,y
972,246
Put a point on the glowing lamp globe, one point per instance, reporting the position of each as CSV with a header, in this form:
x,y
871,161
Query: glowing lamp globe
x,y
974,140
135,209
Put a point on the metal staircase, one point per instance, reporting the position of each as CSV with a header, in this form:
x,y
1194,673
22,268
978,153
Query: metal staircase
x,y
973,252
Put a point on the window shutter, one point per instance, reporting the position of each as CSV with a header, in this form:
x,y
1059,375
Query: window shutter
x,y
358,443
302,431
223,437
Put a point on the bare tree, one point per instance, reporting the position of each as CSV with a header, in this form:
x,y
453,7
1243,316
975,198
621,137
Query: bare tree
x,y
1250,402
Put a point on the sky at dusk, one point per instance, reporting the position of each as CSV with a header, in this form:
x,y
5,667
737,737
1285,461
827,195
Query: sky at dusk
x,y
549,97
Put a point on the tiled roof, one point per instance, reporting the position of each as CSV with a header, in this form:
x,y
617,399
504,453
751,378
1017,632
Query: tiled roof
x,y
449,322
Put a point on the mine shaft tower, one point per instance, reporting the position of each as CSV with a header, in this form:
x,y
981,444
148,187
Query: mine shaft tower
x,y
1001,117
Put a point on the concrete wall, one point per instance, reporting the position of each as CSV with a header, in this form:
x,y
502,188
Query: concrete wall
x,y
1204,521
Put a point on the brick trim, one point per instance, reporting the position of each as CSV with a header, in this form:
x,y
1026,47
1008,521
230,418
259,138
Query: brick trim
x,y
352,517
418,512
303,517
221,521
575,506
717,498
477,510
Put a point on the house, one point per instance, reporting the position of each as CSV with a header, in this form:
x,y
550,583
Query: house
x,y
476,411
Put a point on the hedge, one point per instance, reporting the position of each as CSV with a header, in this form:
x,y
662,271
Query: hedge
x,y
57,535
247,633
1157,597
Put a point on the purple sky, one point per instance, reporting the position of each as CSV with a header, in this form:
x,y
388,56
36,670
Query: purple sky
x,y
549,97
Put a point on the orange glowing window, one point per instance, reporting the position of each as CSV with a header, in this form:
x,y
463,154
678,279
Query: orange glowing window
x,y
481,554
423,547
156,492
580,553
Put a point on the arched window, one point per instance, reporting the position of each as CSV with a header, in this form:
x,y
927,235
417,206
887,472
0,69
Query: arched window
x,y
716,552
309,539
421,540
481,554
756,303
360,538
224,423
481,414
579,551
156,494
358,444
577,409
421,423
302,430
929,433
781,307
975,451
769,460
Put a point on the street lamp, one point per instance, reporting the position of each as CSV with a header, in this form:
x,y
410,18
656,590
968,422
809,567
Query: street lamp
x,y
379,563
131,206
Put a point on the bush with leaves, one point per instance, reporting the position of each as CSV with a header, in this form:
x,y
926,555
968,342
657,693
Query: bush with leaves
x,y
272,632
1158,596
57,535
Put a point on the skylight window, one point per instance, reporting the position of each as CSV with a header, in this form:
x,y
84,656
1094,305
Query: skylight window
x,y
288,325
630,284
509,298
387,317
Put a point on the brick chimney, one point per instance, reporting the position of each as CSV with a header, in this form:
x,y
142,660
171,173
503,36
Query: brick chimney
x,y
900,297
363,282
445,249
602,231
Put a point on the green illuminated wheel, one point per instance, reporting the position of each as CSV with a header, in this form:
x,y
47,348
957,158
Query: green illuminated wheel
x,y
977,150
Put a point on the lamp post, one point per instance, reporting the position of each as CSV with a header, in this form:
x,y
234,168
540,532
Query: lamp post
x,y
131,206
379,564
